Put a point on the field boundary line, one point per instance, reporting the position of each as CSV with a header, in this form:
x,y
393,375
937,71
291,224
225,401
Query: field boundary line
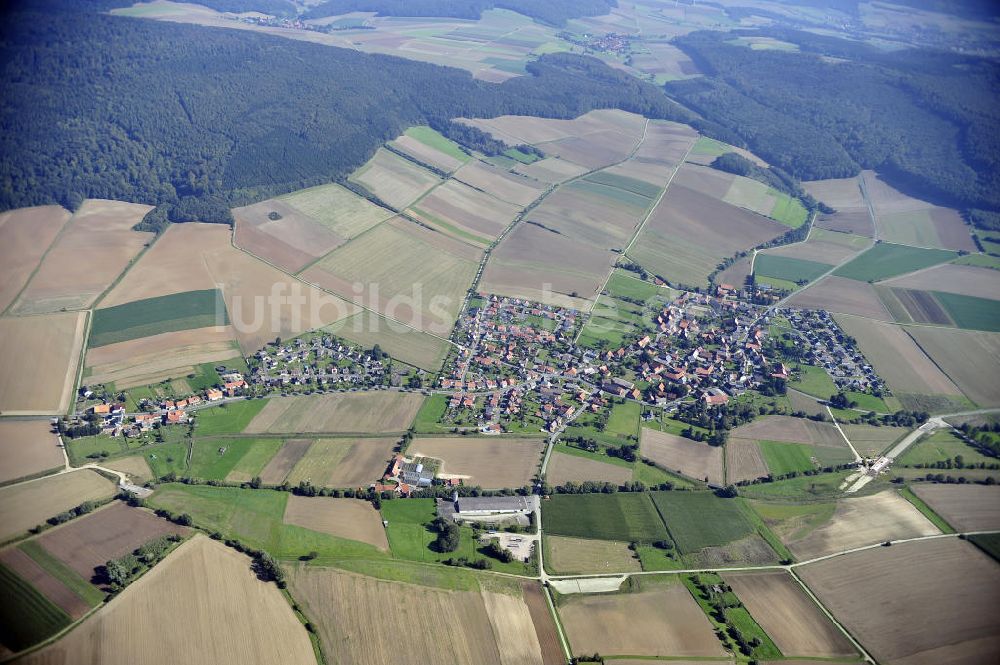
x,y
563,640
117,280
31,276
857,457
829,615
88,324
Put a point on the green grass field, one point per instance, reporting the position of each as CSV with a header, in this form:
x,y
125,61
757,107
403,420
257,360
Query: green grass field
x,y
26,616
942,446
430,413
784,458
624,419
886,260
788,268
166,458
802,488
256,518
248,456
622,284
970,312
787,210
701,519
623,516
867,402
152,316
433,139
814,381
231,418
522,157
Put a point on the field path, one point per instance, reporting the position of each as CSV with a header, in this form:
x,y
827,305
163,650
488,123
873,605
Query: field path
x,y
857,457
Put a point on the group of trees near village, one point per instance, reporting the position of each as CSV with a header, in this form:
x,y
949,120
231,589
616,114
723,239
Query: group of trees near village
x,y
202,119
928,120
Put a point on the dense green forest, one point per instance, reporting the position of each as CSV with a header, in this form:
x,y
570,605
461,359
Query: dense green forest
x,y
929,121
554,12
103,106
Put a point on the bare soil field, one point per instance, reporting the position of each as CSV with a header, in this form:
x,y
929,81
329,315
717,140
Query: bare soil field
x,y
345,518
92,540
736,274
27,448
796,624
590,212
366,620
490,462
47,349
25,236
370,412
839,193
965,507
279,466
505,186
910,305
342,211
687,457
666,144
43,581
393,179
863,521
870,441
580,556
551,170
897,358
966,280
404,271
705,180
91,252
689,233
805,403
564,467
823,247
842,295
151,359
289,242
744,460
344,462
596,149
924,603
545,625
469,210
663,622
859,223
263,302
29,504
791,430
425,153
202,604
970,358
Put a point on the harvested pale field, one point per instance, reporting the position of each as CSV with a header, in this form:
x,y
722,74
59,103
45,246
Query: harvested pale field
x,y
201,605
516,129
279,466
513,629
96,246
823,246
426,154
886,199
111,532
544,624
25,236
842,295
805,403
581,556
744,461
135,467
594,150
344,462
394,179
689,233
551,170
897,358
935,227
369,412
462,211
405,272
792,620
649,171
860,521
27,448
791,430
964,507
353,519
44,582
667,143
29,504
966,280
923,603
290,242
263,302
342,211
366,621
664,622
585,210
491,462
41,355
401,342
155,358
564,467
870,441
970,358
687,457
708,181
839,193
509,187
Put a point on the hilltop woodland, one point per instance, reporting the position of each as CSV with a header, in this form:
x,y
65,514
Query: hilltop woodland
x,y
201,119
929,121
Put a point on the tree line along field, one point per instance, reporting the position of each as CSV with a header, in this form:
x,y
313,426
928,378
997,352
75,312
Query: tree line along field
x,y
28,504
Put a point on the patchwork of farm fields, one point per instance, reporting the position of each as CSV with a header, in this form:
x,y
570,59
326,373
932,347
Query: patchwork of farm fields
x,y
25,236
971,359
394,179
